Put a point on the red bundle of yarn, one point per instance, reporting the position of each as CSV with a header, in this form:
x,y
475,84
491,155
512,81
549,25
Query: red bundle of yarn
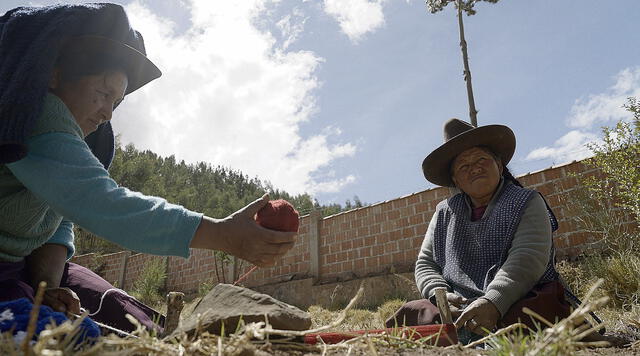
x,y
278,215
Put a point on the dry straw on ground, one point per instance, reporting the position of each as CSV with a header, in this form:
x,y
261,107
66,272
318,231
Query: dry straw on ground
x,y
562,338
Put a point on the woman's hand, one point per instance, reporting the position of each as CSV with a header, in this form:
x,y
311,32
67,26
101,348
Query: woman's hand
x,y
62,300
479,316
456,304
240,235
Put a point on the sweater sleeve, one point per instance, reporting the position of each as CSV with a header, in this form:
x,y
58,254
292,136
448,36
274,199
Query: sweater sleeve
x,y
527,258
64,236
61,170
427,272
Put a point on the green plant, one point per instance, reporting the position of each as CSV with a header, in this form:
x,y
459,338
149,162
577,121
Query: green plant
x,y
204,288
617,157
606,202
620,271
151,282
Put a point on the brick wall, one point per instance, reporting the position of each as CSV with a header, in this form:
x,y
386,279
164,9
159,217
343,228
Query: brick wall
x,y
363,242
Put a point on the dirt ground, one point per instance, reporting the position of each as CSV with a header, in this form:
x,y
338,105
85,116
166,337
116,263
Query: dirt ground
x,y
452,351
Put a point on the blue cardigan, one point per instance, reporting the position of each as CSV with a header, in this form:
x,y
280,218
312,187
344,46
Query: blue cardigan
x,y
64,180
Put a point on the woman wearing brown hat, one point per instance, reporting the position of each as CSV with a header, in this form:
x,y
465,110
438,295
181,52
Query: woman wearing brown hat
x,y
490,245
63,70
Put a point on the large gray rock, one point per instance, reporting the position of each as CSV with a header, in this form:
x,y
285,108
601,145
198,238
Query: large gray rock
x,y
226,304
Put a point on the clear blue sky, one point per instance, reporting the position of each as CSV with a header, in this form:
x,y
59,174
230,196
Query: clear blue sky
x,y
346,97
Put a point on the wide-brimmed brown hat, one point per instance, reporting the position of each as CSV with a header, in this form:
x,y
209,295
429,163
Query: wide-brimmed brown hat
x,y
140,70
460,136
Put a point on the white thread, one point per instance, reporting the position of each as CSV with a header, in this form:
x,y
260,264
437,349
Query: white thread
x,y
102,298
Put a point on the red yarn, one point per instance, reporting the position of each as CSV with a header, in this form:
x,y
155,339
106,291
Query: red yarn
x,y
278,215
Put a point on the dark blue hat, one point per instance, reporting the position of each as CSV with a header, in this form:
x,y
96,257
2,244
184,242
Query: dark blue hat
x,y
30,41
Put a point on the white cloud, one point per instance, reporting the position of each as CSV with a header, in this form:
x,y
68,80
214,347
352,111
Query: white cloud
x,y
571,146
603,109
607,106
356,17
230,97
291,26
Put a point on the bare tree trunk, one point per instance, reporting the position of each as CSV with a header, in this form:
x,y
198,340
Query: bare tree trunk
x,y
467,71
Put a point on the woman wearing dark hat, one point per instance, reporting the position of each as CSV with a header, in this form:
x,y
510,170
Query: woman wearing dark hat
x,y
63,70
490,245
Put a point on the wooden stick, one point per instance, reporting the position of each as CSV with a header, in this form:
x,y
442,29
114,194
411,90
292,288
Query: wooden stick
x,y
443,305
175,303
33,317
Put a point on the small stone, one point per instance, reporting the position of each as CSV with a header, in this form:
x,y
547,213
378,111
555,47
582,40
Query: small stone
x,y
227,304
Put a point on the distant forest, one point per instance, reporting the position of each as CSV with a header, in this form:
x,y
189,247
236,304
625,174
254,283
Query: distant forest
x,y
215,191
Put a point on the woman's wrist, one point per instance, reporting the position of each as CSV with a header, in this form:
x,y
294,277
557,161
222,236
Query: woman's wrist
x,y
46,263
208,235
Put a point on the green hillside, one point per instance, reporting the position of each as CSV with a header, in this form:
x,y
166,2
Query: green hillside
x,y
215,191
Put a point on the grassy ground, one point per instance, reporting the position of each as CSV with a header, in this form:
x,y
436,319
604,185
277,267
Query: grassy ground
x,y
621,285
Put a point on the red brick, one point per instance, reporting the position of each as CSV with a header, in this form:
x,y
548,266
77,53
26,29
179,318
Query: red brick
x,y
416,219
546,189
553,174
385,260
377,250
421,207
399,203
365,252
530,180
395,235
392,215
408,232
577,239
389,247
370,262
370,240
576,167
387,226
347,266
413,199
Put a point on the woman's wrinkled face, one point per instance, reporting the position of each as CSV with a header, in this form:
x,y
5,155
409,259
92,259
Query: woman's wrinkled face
x,y
92,98
477,173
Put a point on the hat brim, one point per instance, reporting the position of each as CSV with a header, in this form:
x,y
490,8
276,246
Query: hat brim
x,y
139,69
499,138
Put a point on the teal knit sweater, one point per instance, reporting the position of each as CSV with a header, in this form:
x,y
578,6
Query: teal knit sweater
x,y
61,181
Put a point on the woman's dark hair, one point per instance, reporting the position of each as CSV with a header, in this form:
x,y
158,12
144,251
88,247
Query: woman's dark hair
x,y
75,62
